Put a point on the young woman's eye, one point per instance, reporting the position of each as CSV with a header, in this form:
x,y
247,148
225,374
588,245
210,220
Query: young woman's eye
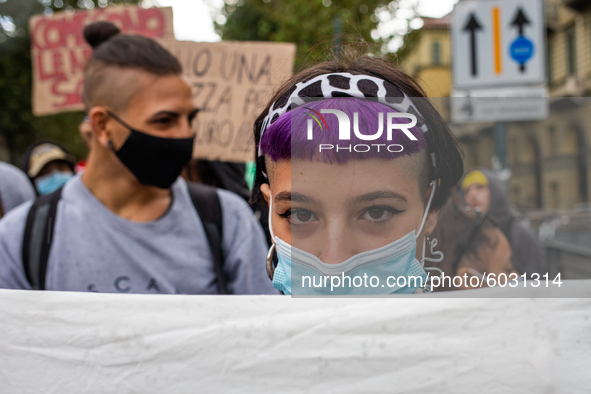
x,y
378,213
302,216
299,216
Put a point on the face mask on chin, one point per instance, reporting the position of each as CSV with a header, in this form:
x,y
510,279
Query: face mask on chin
x,y
154,161
394,260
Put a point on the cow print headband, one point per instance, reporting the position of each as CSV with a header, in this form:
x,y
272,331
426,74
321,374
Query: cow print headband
x,y
342,85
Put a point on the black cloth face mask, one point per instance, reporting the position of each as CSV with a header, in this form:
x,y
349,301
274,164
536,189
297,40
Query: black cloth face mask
x,y
154,161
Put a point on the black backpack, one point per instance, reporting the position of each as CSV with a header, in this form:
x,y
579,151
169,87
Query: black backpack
x,y
41,221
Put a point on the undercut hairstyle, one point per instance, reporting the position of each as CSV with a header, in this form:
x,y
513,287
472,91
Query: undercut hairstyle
x,y
107,78
438,141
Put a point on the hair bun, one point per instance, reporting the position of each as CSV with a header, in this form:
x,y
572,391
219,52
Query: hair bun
x,y
98,32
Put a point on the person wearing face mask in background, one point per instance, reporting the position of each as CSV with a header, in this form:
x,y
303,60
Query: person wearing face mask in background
x,y
143,231
484,191
48,165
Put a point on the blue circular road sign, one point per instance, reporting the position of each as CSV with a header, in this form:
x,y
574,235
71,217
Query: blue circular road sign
x,y
521,50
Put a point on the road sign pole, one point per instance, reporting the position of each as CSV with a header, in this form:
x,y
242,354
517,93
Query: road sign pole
x,y
501,145
499,163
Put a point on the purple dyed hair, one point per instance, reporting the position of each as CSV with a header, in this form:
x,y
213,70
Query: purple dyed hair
x,y
287,138
443,155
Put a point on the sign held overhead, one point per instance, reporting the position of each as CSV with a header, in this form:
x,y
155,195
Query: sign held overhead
x,y
231,83
59,52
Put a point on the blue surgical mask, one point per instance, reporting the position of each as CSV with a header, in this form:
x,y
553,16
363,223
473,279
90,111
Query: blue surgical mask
x,y
374,272
53,181
393,268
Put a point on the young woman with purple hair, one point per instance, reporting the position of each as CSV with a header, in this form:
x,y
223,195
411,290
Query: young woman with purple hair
x,y
351,190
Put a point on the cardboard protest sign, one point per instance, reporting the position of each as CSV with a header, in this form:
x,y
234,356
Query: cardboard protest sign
x,y
59,52
231,82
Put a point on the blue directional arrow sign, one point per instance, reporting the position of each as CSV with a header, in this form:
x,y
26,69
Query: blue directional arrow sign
x,y
522,48
498,43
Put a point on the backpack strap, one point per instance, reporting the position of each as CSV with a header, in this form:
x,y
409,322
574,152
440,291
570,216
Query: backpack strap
x,y
40,223
38,237
208,206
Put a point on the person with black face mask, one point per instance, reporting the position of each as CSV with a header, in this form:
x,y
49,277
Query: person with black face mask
x,y
129,223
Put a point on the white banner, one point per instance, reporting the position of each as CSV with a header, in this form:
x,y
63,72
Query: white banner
x,y
54,342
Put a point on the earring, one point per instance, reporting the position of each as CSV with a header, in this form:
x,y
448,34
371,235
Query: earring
x,y
270,268
432,244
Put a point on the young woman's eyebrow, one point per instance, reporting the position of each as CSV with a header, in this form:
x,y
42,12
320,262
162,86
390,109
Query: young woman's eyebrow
x,y
376,195
297,197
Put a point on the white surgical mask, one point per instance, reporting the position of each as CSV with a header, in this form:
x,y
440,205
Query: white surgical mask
x,y
392,268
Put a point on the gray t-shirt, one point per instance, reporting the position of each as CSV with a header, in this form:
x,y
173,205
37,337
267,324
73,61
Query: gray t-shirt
x,y
15,187
95,250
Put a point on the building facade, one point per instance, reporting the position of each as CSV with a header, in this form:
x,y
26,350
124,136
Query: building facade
x,y
550,160
428,56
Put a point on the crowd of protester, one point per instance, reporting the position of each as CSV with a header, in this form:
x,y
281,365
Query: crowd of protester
x,y
139,215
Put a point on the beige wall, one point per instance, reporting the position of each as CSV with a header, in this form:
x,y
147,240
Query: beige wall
x,y
559,185
435,79
558,140
555,138
521,191
561,21
478,151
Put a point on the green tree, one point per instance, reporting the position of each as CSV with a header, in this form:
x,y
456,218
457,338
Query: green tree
x,y
317,27
18,126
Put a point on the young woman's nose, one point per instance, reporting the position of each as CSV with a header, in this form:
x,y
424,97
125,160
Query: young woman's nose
x,y
339,245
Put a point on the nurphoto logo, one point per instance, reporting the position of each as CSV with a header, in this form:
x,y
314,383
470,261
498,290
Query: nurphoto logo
x,y
345,129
